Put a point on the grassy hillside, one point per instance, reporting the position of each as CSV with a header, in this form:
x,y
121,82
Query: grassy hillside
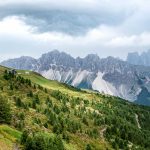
x,y
9,138
70,118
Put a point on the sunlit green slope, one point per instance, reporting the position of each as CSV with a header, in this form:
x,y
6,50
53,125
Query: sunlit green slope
x,y
75,119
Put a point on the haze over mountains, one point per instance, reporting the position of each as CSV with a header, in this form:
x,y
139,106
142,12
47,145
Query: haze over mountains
x,y
108,75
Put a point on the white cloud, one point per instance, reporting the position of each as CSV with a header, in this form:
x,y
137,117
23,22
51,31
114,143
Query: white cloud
x,y
130,33
19,38
14,25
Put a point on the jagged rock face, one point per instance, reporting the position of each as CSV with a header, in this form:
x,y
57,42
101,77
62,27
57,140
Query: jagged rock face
x,y
24,62
55,58
110,75
136,59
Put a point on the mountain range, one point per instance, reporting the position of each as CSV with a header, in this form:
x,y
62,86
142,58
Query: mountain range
x,y
107,75
139,59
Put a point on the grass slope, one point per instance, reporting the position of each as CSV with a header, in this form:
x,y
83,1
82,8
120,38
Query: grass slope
x,y
9,137
86,117
53,85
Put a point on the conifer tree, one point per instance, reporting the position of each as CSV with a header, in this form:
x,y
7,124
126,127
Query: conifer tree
x,y
5,111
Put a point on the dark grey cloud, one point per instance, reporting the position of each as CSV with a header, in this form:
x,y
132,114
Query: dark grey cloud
x,y
69,21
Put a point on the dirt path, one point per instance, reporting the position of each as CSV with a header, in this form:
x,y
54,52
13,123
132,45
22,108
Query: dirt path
x,y
137,120
102,131
16,147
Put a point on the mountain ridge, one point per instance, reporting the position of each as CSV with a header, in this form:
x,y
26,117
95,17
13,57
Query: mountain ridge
x,y
108,75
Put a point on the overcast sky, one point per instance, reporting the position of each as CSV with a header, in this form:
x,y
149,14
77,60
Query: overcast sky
x,y
78,27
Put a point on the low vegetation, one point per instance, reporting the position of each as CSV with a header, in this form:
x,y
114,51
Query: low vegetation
x,y
50,115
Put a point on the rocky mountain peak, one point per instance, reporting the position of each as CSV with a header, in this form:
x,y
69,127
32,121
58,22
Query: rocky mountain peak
x,y
139,59
109,75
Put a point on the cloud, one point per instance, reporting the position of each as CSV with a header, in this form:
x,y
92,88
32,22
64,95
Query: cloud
x,y
67,16
105,27
18,38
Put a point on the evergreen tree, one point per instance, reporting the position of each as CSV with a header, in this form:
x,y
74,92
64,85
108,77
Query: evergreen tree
x,y
24,137
11,87
59,143
37,100
45,90
88,147
30,94
34,104
18,102
34,86
5,111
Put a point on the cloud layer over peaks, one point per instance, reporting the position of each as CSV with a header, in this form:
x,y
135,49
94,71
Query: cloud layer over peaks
x,y
105,27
